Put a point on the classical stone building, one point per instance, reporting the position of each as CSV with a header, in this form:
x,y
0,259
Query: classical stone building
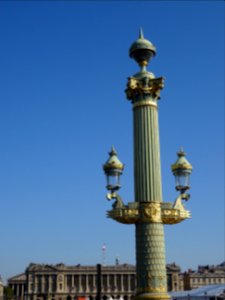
x,y
18,284
205,275
61,282
174,278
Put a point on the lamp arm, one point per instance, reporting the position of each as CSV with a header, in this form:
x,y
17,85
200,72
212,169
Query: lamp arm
x,y
118,203
178,202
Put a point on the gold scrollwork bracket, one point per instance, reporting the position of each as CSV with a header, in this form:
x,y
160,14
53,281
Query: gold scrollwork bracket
x,y
150,212
125,215
147,212
173,213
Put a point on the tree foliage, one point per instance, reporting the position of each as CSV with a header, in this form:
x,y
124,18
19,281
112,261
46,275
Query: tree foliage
x,y
8,293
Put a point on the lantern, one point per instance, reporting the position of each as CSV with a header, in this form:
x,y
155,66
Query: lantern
x,y
113,168
182,170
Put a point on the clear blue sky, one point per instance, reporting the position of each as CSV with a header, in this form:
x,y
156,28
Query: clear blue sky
x,y
64,68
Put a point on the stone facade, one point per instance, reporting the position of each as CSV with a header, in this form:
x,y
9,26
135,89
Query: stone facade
x,y
61,282
174,278
205,275
18,284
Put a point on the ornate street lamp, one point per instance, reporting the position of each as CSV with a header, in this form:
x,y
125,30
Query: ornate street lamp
x,y
148,212
182,170
113,169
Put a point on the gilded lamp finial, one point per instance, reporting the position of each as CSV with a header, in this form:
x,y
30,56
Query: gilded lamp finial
x,y
143,84
142,50
181,152
112,151
113,162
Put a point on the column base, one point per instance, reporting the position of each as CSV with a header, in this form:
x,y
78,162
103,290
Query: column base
x,y
152,296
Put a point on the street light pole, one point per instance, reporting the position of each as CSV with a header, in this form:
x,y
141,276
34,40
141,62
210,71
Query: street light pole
x,y
143,91
147,212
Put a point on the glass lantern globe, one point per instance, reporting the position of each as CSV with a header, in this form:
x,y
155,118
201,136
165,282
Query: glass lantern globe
x,y
113,179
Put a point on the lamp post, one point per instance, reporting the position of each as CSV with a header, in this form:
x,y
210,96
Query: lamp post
x,y
148,212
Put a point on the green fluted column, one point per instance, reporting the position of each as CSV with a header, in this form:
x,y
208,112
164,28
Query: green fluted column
x,y
143,89
147,169
150,252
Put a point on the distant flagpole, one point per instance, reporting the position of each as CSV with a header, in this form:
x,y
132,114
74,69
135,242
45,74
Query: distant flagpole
x,y
104,254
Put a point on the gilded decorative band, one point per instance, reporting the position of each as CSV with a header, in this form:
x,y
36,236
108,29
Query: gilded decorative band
x,y
159,289
145,103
